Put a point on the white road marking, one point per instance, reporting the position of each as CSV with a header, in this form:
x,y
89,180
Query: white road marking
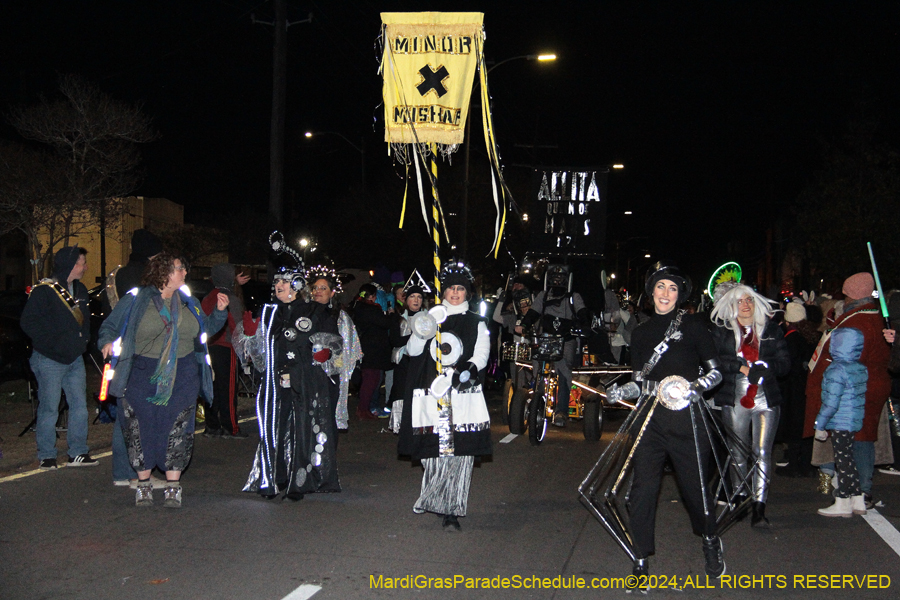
x,y
883,528
303,592
509,438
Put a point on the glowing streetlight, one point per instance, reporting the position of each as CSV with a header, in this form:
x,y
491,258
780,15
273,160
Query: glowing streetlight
x,y
361,148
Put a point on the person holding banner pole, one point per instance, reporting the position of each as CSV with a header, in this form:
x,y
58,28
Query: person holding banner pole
x,y
447,441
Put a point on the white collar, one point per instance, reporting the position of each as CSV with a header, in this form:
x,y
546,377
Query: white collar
x,y
459,309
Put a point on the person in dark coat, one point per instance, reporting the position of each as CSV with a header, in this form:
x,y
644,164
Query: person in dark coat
x,y
144,246
221,415
752,355
399,336
373,326
801,337
893,402
57,319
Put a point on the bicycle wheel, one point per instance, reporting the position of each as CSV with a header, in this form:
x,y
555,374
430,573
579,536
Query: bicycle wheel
x,y
505,400
518,409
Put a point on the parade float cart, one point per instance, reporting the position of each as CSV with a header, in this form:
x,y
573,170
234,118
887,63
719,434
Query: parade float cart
x,y
531,406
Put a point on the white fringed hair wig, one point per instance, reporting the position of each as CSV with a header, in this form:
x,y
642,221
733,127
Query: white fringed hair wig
x,y
725,313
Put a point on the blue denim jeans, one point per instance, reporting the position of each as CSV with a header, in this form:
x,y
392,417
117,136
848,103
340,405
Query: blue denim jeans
x,y
53,378
121,468
864,454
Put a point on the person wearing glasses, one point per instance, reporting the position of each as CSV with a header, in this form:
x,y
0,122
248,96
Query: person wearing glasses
x,y
157,337
752,356
298,344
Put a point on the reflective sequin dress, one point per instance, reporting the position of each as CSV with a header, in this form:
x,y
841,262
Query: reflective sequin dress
x,y
296,400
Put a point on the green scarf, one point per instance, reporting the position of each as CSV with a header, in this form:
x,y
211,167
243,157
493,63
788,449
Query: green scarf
x,y
164,376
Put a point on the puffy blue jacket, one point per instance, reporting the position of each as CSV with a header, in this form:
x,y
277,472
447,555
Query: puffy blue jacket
x,y
844,383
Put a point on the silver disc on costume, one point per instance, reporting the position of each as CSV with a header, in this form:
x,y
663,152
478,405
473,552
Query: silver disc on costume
x,y
315,429
290,334
440,385
316,459
423,325
451,349
303,324
301,477
674,392
321,438
320,448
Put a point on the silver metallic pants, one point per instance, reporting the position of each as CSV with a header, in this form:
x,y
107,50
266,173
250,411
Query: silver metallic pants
x,y
751,434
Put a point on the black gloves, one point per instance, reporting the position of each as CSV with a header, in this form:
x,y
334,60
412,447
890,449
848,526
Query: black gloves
x,y
757,372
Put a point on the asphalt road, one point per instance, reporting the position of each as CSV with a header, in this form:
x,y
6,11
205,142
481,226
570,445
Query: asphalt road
x,y
71,534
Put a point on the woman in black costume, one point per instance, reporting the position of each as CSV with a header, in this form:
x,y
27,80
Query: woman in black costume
x,y
295,345
689,352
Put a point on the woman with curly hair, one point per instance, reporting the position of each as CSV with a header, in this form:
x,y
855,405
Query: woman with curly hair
x,y
156,337
752,355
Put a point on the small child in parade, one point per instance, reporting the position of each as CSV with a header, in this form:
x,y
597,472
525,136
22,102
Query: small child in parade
x,y
843,406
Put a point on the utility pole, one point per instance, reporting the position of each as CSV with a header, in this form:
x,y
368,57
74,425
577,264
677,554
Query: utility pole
x,y
279,86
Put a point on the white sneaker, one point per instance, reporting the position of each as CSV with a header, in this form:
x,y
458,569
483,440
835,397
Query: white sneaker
x,y
889,471
840,508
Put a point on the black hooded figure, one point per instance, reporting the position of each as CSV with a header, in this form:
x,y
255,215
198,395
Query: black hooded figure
x,y
57,319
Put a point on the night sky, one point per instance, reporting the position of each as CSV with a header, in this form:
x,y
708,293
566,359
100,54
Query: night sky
x,y
716,108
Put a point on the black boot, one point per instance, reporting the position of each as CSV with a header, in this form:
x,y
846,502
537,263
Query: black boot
x,y
451,523
758,518
713,552
640,572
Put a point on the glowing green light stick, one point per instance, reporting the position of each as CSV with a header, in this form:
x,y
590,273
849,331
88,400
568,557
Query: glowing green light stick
x,y
884,310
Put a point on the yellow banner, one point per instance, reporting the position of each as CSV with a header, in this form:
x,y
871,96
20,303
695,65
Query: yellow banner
x,y
429,65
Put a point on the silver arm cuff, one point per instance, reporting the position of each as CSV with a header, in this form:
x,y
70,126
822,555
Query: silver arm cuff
x,y
629,391
708,381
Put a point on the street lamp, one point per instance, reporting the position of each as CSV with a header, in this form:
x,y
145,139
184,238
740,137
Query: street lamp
x,y
640,260
464,211
361,149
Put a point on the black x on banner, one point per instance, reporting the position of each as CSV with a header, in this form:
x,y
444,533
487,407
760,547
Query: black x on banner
x,y
433,80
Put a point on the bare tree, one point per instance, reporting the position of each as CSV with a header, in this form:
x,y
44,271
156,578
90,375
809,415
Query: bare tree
x,y
195,243
32,184
97,137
